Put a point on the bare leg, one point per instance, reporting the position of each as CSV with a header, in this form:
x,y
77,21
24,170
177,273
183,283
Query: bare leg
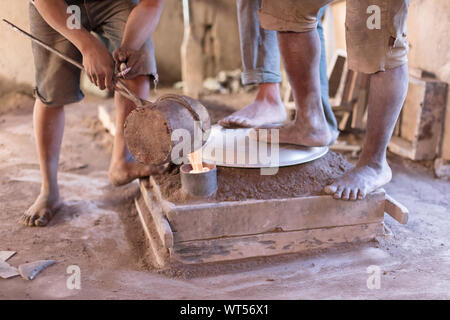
x,y
301,56
266,110
387,94
48,129
123,169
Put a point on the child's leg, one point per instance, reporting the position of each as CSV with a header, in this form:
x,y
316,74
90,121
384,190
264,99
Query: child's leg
x,y
382,53
109,19
57,84
387,94
48,129
123,169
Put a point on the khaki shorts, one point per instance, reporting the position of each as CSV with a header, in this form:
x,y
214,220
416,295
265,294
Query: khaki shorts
x,y
381,47
57,81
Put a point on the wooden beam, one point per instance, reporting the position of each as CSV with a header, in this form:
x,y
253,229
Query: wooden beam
x,y
239,218
396,210
267,244
161,257
162,225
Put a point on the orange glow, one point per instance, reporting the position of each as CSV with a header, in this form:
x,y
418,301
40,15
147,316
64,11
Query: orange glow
x,y
195,158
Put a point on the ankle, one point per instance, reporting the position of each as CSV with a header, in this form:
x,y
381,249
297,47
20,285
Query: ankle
x,y
49,193
269,92
376,163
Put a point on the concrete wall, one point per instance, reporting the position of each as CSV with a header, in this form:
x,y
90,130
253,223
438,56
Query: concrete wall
x,y
16,61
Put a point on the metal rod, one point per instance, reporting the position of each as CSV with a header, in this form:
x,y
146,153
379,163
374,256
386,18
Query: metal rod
x,y
123,89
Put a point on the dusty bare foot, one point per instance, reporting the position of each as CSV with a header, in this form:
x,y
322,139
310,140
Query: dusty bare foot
x,y
125,172
298,134
360,181
42,211
260,113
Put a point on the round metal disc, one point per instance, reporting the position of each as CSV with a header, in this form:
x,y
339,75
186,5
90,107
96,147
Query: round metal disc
x,y
234,148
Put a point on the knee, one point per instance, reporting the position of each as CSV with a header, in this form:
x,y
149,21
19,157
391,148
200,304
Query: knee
x,y
39,105
139,85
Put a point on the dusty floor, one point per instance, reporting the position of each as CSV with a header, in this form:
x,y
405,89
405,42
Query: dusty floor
x,y
97,231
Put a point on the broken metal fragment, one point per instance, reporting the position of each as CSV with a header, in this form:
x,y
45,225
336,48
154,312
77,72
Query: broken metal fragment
x,y
29,271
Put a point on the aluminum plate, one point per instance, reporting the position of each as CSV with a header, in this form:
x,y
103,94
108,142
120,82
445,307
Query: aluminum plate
x,y
231,148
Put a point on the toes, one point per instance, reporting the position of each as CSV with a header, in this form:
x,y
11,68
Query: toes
x,y
245,123
22,219
354,194
338,193
331,189
225,122
34,217
43,221
346,194
362,194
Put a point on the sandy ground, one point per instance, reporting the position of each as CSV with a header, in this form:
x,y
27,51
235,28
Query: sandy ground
x,y
97,231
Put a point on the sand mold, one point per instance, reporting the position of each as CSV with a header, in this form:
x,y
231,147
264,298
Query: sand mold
x,y
236,184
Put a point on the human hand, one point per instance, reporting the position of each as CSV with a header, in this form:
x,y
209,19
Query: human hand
x,y
99,65
133,60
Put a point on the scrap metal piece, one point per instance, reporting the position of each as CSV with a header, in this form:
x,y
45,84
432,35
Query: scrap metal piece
x,y
7,271
5,255
29,271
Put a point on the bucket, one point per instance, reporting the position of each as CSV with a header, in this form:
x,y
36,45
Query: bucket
x,y
148,129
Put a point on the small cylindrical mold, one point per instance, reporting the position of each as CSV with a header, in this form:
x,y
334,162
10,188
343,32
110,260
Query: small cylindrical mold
x,y
201,184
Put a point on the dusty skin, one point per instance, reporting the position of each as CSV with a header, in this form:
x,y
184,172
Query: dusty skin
x,y
360,181
266,111
42,211
124,172
372,170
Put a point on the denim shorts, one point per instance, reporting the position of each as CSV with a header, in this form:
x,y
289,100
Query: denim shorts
x,y
58,81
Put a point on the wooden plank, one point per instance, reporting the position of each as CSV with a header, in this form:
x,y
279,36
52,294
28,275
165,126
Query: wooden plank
x,y
401,147
268,244
396,210
159,252
337,73
238,218
162,225
419,73
422,120
348,90
360,106
412,109
343,124
432,120
106,117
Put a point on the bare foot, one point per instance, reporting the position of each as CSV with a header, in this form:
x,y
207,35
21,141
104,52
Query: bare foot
x,y
260,113
125,172
266,111
360,181
42,211
298,134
